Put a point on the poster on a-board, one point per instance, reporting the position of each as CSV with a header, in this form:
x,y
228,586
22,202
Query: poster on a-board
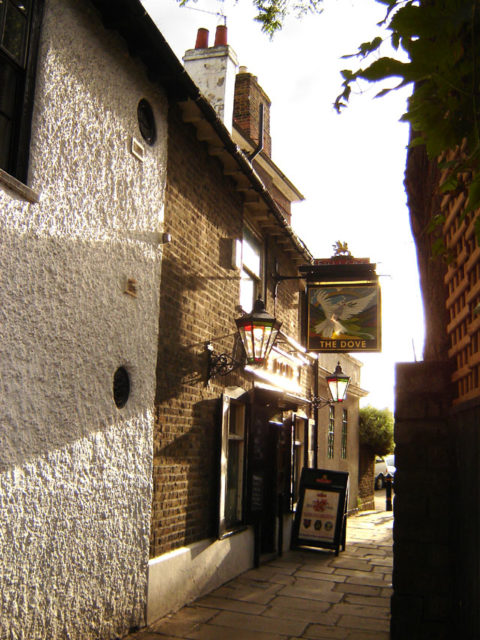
x,y
320,519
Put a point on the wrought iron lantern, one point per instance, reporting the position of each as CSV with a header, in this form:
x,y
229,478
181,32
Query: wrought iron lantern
x,y
258,331
337,383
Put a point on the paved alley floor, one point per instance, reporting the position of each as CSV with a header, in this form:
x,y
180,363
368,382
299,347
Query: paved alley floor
x,y
304,594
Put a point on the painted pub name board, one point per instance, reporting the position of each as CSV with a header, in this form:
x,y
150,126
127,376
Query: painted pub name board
x,y
343,306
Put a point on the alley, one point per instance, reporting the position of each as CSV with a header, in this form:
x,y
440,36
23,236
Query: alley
x,y
304,594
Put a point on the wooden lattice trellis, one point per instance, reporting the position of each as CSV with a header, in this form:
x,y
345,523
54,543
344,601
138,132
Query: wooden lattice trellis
x,y
463,297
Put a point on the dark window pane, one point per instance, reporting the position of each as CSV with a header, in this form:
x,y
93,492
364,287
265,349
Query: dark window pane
x,y
15,32
5,139
8,83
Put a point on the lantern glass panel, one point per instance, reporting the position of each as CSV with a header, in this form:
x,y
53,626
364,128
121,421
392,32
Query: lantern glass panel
x,y
338,388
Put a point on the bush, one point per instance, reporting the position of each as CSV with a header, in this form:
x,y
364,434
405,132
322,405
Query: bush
x,y
376,430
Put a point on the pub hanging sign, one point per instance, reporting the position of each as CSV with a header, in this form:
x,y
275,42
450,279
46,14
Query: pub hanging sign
x,y
343,306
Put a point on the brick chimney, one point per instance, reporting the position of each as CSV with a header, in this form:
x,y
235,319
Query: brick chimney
x,y
213,70
249,95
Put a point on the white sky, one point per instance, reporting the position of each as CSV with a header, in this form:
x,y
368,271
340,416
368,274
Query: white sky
x,y
349,167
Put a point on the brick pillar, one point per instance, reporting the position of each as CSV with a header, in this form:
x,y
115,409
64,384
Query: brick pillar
x,y
366,478
423,572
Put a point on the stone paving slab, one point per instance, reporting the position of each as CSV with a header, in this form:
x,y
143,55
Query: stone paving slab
x,y
362,611
310,594
305,595
225,633
300,604
358,589
370,601
293,613
327,577
228,604
260,623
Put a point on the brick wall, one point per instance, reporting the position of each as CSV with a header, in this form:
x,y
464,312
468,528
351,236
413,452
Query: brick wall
x,y
466,578
424,504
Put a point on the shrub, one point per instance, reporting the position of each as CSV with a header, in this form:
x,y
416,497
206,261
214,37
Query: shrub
x,y
376,430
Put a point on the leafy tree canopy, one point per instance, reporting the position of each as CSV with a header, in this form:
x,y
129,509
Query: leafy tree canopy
x,y
376,429
441,40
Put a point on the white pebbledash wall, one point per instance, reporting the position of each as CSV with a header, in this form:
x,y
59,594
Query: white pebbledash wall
x,y
75,471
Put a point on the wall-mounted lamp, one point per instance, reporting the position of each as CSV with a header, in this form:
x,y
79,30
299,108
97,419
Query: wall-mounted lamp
x,y
258,331
337,386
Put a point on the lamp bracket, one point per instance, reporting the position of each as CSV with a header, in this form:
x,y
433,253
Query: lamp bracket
x,y
318,402
219,364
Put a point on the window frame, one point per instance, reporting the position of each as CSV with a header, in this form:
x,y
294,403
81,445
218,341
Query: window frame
x,y
331,433
227,436
19,147
251,275
301,454
344,444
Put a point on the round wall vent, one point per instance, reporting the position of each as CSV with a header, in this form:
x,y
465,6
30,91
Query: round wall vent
x,y
146,121
121,387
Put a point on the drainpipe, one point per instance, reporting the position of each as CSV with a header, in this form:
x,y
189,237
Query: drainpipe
x,y
259,147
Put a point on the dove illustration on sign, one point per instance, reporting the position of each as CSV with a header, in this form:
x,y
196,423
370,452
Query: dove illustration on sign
x,y
338,307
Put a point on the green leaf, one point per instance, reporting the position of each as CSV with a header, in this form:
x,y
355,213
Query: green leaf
x,y
347,74
473,201
384,68
439,248
435,222
449,184
476,226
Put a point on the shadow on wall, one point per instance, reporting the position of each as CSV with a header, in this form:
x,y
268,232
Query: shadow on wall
x,y
188,308
186,472
66,327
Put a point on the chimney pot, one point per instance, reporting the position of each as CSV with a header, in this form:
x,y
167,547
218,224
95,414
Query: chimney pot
x,y
202,39
221,35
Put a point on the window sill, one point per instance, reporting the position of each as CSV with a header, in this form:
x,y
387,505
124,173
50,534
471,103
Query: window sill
x,y
21,189
233,532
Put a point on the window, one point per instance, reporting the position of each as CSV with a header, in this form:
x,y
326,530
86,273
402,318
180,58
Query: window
x,y
19,33
146,121
250,270
232,465
344,434
331,433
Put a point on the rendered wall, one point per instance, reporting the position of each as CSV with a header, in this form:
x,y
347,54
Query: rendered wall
x,y
75,471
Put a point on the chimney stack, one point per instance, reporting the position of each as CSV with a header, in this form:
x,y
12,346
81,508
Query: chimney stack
x,y
249,96
213,69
